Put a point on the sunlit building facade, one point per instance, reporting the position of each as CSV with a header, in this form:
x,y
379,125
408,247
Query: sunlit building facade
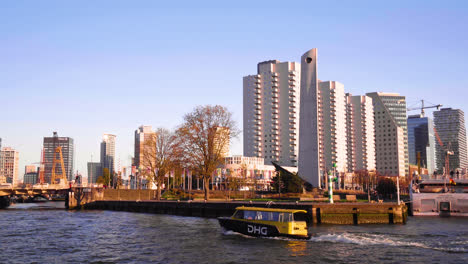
x,y
271,112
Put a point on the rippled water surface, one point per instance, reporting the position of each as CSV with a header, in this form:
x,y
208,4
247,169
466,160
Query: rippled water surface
x,y
41,233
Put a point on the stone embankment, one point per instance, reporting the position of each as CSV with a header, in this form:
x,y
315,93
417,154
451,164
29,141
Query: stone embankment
x,y
320,213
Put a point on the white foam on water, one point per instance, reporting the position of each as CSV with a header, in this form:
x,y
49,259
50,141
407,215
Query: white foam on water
x,y
374,239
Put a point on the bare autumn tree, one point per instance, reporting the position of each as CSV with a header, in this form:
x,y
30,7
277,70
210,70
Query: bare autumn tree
x,y
160,155
204,138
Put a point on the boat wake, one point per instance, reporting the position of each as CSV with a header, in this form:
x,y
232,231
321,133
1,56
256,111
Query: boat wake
x,y
387,240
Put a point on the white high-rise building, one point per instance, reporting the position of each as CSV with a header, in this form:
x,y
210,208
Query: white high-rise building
x,y
390,133
271,112
332,126
361,135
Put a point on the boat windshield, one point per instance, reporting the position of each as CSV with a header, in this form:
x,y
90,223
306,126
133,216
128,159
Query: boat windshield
x,y
264,216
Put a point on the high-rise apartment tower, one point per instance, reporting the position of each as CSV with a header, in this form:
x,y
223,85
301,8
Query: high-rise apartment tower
x,y
271,112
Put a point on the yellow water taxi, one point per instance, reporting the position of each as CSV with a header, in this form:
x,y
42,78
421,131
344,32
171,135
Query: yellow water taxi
x,y
267,222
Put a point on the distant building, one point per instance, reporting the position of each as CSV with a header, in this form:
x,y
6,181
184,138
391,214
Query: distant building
x,y
223,140
9,162
30,178
250,170
108,153
30,168
390,133
361,133
142,134
68,153
421,140
450,125
271,112
94,171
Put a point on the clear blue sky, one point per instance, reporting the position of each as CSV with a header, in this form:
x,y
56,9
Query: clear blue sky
x,y
84,68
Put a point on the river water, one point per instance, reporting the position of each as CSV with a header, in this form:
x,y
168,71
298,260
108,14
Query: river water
x,y
45,233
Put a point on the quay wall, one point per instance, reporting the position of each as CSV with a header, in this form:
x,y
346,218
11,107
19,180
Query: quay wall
x,y
319,213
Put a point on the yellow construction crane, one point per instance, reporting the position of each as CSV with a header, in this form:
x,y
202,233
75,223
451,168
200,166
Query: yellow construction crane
x,y
58,176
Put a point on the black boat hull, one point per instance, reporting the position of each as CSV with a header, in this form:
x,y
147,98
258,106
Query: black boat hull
x,y
254,229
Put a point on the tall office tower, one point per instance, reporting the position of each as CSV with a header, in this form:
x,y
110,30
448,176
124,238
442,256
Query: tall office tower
x,y
332,126
94,171
361,136
68,154
390,133
271,110
309,151
421,139
9,161
450,125
141,134
108,153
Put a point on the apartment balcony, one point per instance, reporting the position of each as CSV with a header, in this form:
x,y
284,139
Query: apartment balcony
x,y
258,91
292,122
275,89
274,116
292,100
292,83
274,74
274,132
275,127
274,96
292,73
258,102
275,111
258,107
292,115
275,100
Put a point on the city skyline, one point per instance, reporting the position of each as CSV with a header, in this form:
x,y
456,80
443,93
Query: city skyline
x,y
132,77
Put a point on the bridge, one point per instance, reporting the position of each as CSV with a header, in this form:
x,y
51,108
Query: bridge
x,y
34,191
